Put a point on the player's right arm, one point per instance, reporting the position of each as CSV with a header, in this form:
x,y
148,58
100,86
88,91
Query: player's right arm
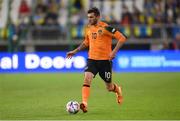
x,y
82,46
73,52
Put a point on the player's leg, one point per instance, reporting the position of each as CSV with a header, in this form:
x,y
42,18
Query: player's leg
x,y
88,76
113,87
106,74
90,72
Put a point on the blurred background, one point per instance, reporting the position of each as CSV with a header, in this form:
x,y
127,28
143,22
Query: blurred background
x,y
36,34
53,25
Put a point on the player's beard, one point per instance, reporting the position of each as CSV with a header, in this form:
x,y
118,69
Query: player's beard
x,y
94,22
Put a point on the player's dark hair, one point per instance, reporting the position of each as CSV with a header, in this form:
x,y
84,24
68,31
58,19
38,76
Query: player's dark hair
x,y
94,10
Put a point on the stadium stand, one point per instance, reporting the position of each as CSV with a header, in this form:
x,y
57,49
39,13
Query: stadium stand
x,y
33,23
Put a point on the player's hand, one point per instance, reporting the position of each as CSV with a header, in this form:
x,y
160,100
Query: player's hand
x,y
70,54
112,55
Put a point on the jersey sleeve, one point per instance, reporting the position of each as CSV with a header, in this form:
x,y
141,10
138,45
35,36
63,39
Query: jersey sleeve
x,y
116,34
119,36
86,38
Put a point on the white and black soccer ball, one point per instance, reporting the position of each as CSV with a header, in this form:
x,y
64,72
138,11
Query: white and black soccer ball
x,y
72,107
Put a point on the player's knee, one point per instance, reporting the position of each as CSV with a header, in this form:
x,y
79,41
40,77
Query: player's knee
x,y
87,79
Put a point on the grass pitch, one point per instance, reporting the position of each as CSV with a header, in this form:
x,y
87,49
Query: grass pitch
x,y
44,96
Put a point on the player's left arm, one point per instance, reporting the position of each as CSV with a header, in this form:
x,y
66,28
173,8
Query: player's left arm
x,y
118,36
115,50
121,39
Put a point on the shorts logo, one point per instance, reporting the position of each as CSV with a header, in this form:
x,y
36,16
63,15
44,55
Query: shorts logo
x,y
86,68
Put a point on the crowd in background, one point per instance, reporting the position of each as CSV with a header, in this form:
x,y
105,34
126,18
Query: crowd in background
x,y
53,12
61,13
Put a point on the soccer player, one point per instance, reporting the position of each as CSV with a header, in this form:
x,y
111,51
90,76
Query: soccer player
x,y
98,38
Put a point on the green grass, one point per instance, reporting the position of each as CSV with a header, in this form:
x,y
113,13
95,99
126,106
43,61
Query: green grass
x,y
44,96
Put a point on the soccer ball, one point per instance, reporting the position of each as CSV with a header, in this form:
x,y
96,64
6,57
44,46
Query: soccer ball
x,y
72,107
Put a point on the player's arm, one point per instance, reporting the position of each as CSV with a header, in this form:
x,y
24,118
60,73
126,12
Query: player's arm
x,y
121,39
117,35
82,46
115,50
73,52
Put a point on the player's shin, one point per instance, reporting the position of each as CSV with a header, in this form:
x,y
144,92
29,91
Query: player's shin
x,y
85,93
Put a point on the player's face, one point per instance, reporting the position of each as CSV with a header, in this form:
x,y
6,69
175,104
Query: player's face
x,y
92,19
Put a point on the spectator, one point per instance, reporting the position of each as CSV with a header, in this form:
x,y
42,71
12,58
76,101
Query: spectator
x,y
136,15
170,10
40,13
24,12
13,38
176,42
77,5
41,5
52,16
51,19
126,16
178,20
159,12
63,14
24,8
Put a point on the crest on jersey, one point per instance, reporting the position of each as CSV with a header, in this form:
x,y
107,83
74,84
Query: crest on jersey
x,y
100,32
